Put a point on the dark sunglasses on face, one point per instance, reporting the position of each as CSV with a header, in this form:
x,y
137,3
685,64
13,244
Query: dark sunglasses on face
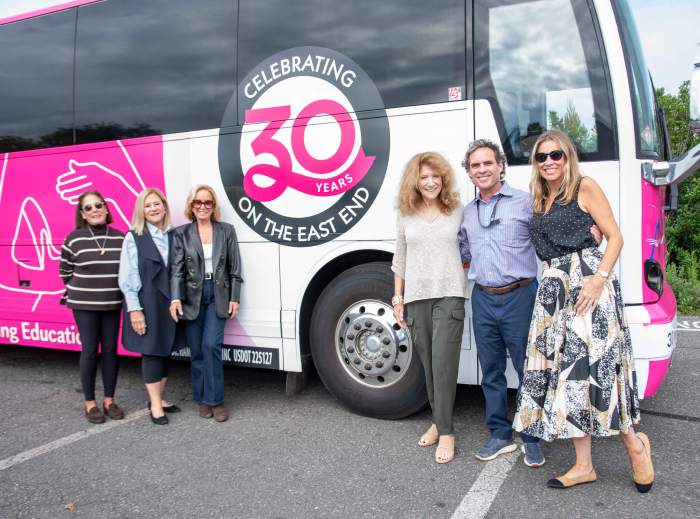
x,y
98,205
542,157
208,204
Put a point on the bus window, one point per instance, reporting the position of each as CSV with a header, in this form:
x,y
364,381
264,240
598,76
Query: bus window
x,y
413,51
541,68
155,67
649,138
36,84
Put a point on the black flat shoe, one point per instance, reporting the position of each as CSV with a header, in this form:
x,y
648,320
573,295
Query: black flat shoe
x,y
161,420
172,408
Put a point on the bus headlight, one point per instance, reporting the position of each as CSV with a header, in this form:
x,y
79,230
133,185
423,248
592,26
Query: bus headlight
x,y
654,276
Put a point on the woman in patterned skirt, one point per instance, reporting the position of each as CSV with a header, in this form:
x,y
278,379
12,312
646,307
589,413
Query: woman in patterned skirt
x,y
579,378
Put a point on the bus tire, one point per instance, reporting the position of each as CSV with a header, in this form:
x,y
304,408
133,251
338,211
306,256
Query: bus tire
x,y
363,358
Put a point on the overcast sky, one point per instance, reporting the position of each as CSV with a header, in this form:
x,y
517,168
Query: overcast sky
x,y
669,31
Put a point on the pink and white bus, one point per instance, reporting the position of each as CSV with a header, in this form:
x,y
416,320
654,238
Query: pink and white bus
x,y
302,115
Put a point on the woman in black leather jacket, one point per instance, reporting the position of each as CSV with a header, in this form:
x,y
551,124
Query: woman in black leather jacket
x,y
205,285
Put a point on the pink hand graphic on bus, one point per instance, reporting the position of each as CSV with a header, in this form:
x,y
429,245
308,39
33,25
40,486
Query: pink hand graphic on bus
x,y
38,196
282,175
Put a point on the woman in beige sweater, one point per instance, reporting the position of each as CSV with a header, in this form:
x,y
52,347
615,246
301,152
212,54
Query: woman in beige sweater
x,y
429,285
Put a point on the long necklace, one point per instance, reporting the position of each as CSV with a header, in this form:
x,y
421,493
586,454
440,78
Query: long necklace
x,y
104,242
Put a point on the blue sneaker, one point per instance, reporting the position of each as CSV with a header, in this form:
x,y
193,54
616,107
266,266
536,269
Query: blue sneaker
x,y
494,448
533,454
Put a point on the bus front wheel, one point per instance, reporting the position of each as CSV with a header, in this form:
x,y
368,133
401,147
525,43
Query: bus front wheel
x,y
363,357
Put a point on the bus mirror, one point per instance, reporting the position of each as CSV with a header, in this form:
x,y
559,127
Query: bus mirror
x,y
695,94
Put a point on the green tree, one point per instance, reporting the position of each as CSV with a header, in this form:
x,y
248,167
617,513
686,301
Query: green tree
x,y
571,124
683,227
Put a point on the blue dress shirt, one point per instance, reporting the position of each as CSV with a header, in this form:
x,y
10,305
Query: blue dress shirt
x,y
494,238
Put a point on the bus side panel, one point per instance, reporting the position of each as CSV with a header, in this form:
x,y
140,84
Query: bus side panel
x,y
38,198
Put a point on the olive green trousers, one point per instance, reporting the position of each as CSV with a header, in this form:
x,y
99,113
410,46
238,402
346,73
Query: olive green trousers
x,y
436,327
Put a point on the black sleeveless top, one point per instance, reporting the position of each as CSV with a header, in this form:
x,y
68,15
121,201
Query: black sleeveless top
x,y
563,230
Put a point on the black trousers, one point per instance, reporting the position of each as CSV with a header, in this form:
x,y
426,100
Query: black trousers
x,y
154,368
98,328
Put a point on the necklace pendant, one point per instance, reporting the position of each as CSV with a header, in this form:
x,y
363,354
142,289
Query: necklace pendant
x,y
102,252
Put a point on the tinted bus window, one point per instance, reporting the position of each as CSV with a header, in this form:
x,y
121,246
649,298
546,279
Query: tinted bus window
x,y
649,138
36,82
413,51
153,66
541,67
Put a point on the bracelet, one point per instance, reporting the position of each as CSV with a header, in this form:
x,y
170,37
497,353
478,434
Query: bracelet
x,y
396,300
603,273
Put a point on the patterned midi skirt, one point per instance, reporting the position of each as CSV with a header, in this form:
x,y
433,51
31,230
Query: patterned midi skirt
x,y
579,376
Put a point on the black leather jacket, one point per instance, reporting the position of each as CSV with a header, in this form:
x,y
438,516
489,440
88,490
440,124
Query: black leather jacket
x,y
187,268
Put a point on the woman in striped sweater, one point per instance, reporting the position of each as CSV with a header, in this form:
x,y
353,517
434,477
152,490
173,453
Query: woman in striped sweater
x,y
90,270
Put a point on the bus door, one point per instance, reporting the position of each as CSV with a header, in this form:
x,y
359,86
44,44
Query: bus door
x,y
530,79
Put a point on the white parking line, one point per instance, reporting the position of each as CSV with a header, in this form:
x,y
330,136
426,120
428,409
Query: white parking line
x,y
67,440
478,500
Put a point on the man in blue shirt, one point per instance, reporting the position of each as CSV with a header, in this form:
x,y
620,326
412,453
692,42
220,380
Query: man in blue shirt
x,y
495,240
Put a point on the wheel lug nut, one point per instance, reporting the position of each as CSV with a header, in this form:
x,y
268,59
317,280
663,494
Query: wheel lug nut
x,y
357,327
368,324
380,329
351,349
386,354
356,361
351,336
379,364
368,366
385,340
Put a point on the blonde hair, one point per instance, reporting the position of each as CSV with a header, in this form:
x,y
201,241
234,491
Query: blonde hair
x,y
138,222
189,214
410,199
572,173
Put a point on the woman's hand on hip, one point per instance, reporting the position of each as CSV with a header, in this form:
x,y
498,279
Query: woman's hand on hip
x,y
138,322
233,309
589,295
398,314
176,310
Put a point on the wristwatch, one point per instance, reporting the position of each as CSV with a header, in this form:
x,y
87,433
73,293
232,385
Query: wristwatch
x,y
603,273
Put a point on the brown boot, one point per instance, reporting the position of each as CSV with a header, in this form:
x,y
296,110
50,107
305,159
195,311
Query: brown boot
x,y
205,411
220,413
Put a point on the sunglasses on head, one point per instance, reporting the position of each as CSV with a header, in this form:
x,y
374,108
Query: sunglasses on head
x,y
542,157
98,205
208,204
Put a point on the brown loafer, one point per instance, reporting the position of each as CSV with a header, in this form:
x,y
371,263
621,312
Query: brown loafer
x,y
205,411
94,415
113,411
220,413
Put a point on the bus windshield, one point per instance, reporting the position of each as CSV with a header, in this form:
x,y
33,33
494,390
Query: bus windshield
x,y
647,129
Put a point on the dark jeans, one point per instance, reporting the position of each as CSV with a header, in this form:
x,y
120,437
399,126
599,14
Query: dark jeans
x,y
98,328
501,323
205,337
154,368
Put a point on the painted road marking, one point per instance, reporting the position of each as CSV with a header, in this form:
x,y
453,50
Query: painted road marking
x,y
688,325
67,440
478,500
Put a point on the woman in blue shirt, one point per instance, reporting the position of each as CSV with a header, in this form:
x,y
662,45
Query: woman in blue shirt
x,y
144,278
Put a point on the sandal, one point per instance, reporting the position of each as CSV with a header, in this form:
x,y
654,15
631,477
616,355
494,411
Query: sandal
x,y
428,438
444,454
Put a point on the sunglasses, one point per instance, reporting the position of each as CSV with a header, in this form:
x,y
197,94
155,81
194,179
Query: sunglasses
x,y
208,204
98,205
542,157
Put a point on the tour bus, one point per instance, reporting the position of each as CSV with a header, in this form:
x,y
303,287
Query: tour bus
x,y
302,115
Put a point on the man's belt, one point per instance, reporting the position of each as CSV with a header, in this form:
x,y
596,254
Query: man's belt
x,y
505,289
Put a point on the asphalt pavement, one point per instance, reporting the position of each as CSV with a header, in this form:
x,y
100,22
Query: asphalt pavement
x,y
306,456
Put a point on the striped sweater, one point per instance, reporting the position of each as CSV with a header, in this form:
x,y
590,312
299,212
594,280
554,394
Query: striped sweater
x,y
92,278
